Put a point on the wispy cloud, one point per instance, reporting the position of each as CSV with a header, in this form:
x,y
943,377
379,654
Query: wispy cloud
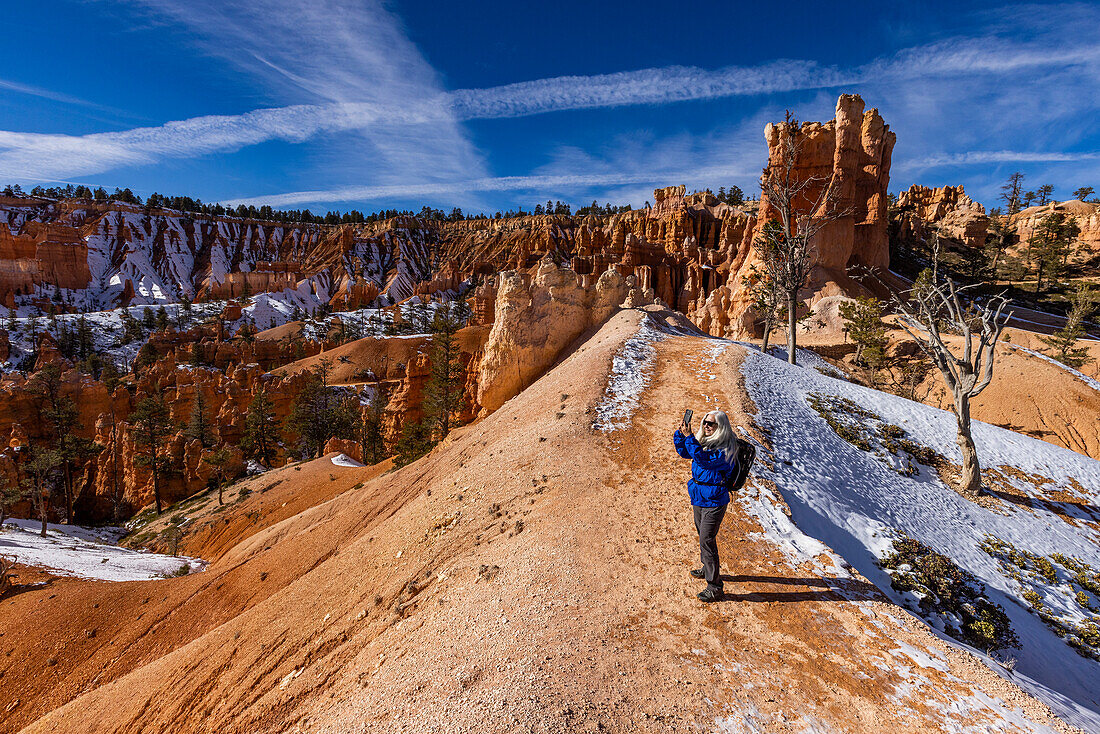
x,y
34,91
981,157
348,65
630,165
544,184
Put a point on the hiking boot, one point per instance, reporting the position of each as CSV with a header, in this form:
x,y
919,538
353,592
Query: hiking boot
x,y
709,594
698,573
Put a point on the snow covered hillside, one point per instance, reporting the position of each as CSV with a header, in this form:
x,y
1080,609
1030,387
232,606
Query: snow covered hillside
x,y
1034,543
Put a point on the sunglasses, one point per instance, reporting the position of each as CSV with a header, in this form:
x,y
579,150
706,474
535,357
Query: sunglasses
x,y
711,424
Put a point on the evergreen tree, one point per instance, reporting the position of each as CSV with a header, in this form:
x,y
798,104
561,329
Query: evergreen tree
x,y
371,438
146,356
1083,193
443,392
863,323
151,426
319,413
1063,343
148,318
1010,193
196,355
85,343
198,427
43,469
58,411
416,440
109,375
261,430
767,301
219,460
162,319
1050,245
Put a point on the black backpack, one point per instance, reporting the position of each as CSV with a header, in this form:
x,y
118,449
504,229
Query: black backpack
x,y
746,454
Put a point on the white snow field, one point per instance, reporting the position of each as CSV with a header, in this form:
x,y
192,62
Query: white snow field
x,y
854,500
90,553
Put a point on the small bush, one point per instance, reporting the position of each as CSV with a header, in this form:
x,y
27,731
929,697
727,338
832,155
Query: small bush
x,y
869,432
950,593
1039,578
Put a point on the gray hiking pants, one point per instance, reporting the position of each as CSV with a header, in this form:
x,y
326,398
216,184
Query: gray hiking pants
x,y
707,522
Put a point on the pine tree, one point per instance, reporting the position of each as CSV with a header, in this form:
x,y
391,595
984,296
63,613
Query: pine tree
x,y
151,425
198,427
767,300
219,461
443,392
261,430
863,323
109,375
162,319
371,438
58,411
42,467
415,441
319,413
196,354
1050,245
1063,343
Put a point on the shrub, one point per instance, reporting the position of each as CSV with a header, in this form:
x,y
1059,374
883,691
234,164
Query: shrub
x,y
950,593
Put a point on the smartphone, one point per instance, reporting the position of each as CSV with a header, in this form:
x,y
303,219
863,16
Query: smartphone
x,y
687,417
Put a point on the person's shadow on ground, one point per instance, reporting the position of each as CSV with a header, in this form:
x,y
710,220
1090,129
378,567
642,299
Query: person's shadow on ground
x,y
821,589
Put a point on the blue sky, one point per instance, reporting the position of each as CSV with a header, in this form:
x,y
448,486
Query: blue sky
x,y
339,104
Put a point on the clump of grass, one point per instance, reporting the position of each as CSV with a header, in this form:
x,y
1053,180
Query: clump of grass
x,y
183,570
949,594
1072,583
869,432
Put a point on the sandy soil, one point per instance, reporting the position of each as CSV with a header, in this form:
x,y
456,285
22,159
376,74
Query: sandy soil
x,y
530,574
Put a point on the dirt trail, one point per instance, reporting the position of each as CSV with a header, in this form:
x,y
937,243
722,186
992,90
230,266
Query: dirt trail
x,y
790,648
531,574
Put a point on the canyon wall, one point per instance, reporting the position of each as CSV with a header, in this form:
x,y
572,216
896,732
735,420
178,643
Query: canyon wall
x,y
1086,215
947,210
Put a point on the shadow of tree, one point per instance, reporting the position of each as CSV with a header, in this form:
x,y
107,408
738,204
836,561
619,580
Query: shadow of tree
x,y
1076,510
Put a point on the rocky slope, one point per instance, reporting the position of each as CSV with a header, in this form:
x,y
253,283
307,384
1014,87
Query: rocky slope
x,y
529,574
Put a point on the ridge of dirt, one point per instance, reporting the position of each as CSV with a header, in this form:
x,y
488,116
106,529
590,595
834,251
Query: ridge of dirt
x,y
529,574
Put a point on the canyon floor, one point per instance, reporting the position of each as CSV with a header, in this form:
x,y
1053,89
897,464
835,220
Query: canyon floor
x,y
530,574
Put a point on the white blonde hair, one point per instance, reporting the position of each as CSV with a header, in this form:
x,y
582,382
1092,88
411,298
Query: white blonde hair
x,y
723,438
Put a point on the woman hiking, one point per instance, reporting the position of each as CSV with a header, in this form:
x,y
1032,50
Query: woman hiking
x,y
713,454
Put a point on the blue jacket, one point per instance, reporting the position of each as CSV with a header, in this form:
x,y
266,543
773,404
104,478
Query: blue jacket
x,y
709,472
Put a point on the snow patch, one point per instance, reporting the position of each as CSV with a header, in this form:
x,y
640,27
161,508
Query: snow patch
x,y
90,553
346,461
630,372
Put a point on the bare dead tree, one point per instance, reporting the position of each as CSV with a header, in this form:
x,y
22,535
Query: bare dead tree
x,y
804,206
966,376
